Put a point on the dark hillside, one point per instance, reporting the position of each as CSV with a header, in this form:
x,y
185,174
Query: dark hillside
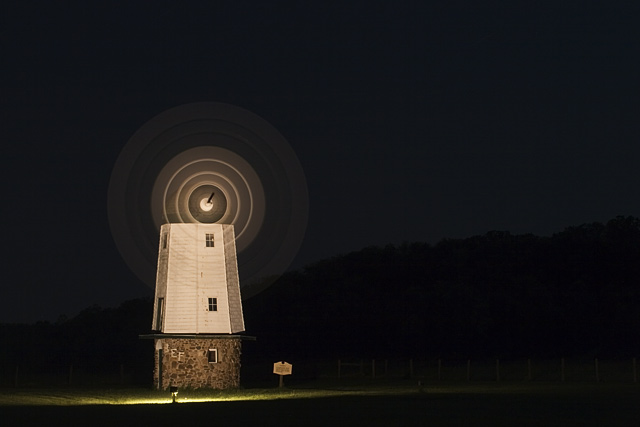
x,y
574,293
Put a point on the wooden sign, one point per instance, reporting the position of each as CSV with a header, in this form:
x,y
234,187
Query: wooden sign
x,y
282,368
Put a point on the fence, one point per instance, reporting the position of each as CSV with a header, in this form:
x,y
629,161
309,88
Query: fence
x,y
24,375
424,370
560,370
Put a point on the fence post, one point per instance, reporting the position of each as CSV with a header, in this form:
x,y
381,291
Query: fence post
x,y
468,369
373,368
15,376
339,367
410,368
386,367
439,369
498,370
529,376
70,378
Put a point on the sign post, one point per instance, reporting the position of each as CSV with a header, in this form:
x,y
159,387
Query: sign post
x,y
282,369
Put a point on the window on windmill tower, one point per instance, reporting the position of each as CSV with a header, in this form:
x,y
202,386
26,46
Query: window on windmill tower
x,y
159,313
212,355
164,240
209,240
213,304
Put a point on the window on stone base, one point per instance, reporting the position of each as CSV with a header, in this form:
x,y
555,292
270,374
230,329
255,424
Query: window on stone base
x,y
213,355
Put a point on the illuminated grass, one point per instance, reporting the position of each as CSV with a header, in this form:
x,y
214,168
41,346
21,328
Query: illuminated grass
x,y
61,397
368,403
68,397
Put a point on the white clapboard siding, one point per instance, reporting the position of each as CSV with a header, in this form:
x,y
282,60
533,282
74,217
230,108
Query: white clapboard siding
x,y
189,273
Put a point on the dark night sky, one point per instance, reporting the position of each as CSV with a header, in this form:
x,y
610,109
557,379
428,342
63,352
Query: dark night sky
x,y
413,121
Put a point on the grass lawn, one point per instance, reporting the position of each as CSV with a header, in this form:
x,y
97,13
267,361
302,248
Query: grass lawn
x,y
324,404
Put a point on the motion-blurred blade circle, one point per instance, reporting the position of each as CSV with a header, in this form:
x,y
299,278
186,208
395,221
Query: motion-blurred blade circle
x,y
210,163
210,185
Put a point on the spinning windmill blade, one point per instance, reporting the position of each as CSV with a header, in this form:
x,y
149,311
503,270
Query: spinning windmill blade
x,y
210,163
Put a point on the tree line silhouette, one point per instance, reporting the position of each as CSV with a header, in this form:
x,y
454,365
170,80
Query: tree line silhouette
x,y
573,294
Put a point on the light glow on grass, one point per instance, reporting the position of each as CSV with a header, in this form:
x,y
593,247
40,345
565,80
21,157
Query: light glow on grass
x,y
72,397
145,397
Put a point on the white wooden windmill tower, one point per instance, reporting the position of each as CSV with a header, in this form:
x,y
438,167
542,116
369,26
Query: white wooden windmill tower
x,y
199,176
197,308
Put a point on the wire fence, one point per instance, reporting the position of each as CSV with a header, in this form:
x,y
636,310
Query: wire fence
x,y
25,376
559,370
422,370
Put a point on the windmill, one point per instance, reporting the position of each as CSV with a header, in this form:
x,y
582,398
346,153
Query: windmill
x,y
207,205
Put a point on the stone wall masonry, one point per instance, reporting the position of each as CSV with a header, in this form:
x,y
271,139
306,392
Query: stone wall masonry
x,y
185,363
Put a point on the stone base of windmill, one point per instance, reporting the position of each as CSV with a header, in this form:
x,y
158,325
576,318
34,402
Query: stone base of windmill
x,y
197,361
